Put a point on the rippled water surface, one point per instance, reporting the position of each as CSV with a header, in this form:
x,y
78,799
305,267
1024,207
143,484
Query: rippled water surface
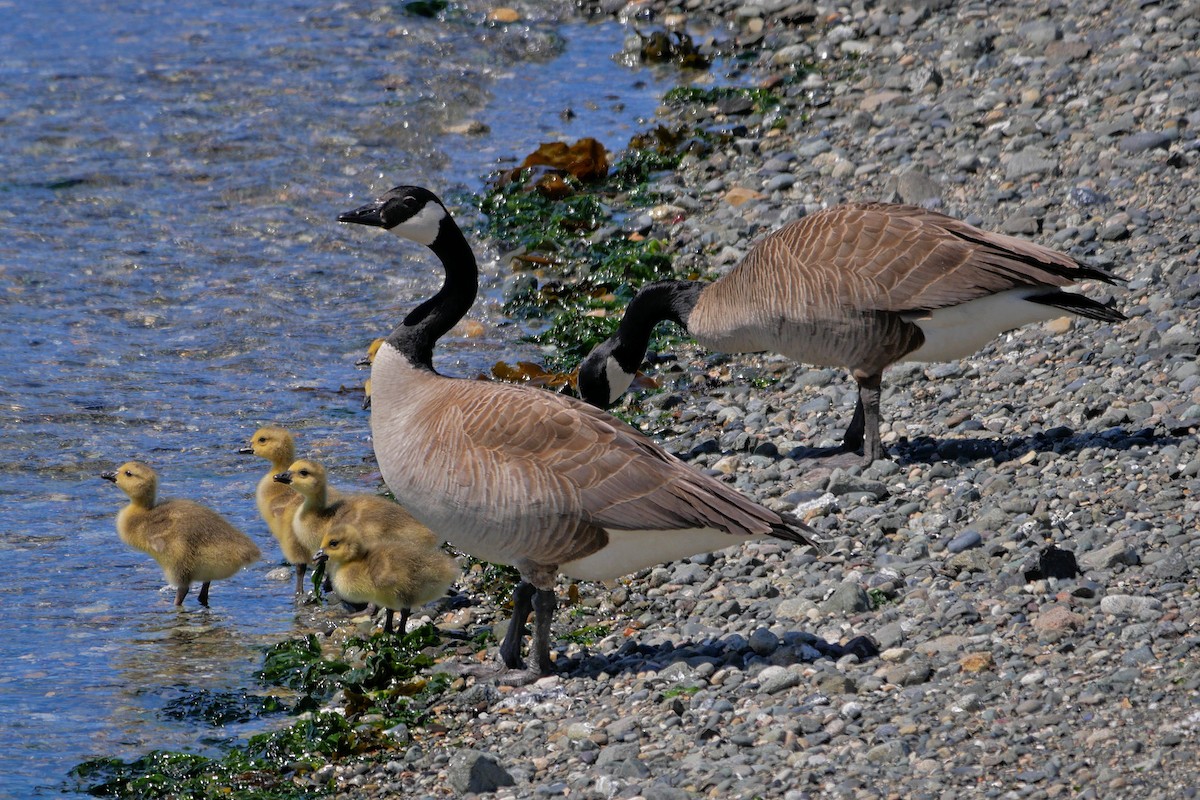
x,y
171,277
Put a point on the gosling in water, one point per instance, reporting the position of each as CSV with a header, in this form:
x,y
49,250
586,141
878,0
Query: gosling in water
x,y
397,574
277,503
190,542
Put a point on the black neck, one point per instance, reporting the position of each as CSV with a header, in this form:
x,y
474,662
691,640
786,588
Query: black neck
x,y
663,301
428,322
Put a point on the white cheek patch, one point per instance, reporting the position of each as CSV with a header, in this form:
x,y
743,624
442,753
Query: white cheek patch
x,y
423,226
618,379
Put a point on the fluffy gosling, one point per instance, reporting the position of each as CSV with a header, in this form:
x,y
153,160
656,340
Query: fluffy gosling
x,y
277,503
372,349
324,509
396,574
190,542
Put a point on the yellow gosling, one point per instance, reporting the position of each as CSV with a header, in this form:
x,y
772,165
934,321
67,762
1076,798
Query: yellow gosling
x,y
190,542
324,509
277,502
372,349
396,574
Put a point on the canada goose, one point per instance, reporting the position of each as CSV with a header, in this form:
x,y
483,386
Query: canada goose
x,y
863,286
277,502
372,349
522,476
397,574
189,541
322,510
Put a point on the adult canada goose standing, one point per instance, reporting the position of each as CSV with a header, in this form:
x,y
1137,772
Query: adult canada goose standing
x,y
277,503
190,542
396,574
522,476
863,286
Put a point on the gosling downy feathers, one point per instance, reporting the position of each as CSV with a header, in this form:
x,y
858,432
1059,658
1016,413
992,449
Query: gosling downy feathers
x,y
861,286
397,574
190,542
277,502
372,349
321,510
522,476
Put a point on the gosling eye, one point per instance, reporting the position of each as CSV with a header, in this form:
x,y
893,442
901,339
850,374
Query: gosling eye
x,y
128,474
334,542
262,440
304,472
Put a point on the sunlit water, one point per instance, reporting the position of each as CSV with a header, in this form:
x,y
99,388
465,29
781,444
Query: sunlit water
x,y
172,276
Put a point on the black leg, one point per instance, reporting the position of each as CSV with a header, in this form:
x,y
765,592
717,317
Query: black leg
x,y
854,432
404,614
387,622
510,648
868,399
544,604
204,594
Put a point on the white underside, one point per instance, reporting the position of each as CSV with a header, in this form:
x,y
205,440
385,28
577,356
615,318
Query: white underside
x,y
630,551
958,331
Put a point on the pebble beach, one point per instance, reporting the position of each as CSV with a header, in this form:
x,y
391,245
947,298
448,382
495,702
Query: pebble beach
x,y
1007,607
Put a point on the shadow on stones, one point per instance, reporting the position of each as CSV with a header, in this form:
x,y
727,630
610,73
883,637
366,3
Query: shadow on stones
x,y
1061,440
730,652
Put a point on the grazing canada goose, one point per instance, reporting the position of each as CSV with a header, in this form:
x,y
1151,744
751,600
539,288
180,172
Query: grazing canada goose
x,y
277,503
863,286
397,574
523,476
322,510
189,541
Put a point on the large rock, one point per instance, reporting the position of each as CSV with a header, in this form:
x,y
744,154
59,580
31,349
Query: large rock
x,y
476,771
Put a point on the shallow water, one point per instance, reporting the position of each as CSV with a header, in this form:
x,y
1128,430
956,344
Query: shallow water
x,y
172,276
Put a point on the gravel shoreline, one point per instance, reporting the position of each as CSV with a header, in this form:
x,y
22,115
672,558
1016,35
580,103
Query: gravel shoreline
x,y
736,674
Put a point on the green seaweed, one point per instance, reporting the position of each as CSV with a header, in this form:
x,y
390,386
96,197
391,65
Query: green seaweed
x,y
217,708
298,664
587,270
588,634
383,675
763,100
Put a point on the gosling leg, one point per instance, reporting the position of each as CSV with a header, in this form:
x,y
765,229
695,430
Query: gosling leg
x,y
204,594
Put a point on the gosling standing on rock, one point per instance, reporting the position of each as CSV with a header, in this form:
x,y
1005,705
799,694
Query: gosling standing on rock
x,y
277,503
395,574
192,543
